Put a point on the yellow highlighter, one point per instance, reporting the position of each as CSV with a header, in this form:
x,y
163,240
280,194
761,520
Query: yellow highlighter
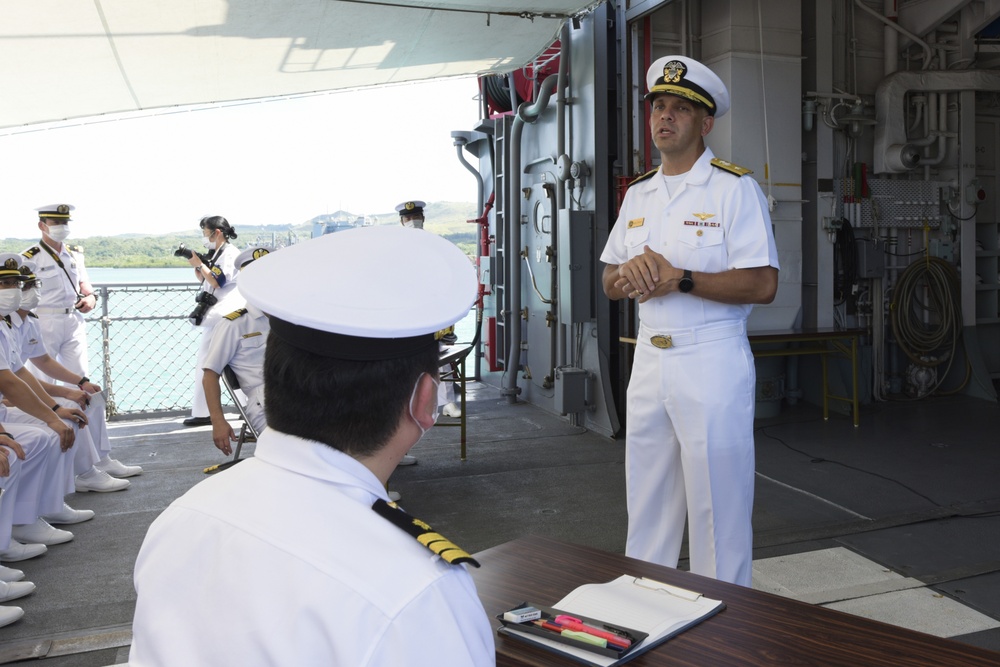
x,y
585,638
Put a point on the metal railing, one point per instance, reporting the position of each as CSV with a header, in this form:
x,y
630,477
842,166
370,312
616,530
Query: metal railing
x,y
147,346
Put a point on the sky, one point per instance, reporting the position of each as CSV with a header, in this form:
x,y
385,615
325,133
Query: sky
x,y
280,161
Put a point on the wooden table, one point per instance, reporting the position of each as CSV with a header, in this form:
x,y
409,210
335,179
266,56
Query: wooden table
x,y
820,341
756,628
454,358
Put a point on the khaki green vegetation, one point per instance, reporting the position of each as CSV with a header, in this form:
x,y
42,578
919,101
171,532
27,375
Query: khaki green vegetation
x,y
447,219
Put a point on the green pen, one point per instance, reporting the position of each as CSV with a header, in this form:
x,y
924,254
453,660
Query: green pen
x,y
584,637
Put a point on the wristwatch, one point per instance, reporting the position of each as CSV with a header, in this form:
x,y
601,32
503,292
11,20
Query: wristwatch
x,y
686,283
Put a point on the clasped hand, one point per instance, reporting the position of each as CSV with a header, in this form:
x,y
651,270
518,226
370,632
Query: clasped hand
x,y
640,277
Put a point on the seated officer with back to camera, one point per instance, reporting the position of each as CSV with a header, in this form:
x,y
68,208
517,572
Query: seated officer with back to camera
x,y
297,551
238,341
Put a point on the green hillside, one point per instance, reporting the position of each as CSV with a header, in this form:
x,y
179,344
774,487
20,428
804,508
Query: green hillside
x,y
447,219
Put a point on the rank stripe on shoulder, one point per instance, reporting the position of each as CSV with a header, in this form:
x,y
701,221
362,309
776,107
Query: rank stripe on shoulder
x,y
236,314
31,252
646,176
730,167
427,536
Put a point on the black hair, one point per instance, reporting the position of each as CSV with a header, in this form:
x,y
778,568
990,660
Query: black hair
x,y
352,406
213,222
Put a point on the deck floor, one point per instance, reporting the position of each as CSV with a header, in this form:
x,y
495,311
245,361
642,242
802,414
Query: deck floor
x,y
898,520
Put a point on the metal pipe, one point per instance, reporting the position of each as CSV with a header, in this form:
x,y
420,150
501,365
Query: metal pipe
x,y
526,113
928,55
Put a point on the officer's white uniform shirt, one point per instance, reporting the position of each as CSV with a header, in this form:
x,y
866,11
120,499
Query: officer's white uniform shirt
x,y
735,235
47,471
240,343
305,573
89,450
225,261
57,291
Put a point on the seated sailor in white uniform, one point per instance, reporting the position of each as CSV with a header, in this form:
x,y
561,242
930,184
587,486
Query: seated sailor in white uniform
x,y
96,471
350,376
238,341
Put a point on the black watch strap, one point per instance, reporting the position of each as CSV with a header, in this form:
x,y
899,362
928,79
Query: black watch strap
x,y
686,283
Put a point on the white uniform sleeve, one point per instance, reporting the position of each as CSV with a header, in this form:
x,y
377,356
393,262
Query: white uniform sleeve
x,y
222,347
446,624
750,240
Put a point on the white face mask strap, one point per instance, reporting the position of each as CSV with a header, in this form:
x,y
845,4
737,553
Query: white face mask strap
x,y
413,398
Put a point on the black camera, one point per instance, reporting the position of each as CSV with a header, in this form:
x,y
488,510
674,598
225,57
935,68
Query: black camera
x,y
187,253
204,302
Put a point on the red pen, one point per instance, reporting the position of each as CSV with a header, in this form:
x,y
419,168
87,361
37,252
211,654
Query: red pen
x,y
576,624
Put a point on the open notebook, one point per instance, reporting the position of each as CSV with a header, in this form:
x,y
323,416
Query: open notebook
x,y
650,607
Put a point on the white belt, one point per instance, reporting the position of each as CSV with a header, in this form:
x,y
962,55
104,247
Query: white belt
x,y
668,339
54,311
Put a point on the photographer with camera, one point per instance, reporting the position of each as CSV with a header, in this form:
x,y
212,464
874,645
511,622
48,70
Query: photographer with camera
x,y
215,271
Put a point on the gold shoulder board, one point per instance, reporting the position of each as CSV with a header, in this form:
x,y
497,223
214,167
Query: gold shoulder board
x,y
31,252
646,176
440,545
730,167
236,314
76,248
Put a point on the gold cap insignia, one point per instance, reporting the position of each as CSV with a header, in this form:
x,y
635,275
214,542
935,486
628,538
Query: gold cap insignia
x,y
674,71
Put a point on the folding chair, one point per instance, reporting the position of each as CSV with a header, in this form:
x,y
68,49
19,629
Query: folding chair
x,y
455,359
247,432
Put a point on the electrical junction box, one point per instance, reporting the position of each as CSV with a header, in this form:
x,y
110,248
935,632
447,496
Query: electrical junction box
x,y
943,249
871,258
571,390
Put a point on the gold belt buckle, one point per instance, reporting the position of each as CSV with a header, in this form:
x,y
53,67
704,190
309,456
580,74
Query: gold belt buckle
x,y
662,342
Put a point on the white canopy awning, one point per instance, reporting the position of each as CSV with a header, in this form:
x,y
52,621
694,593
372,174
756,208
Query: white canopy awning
x,y
73,58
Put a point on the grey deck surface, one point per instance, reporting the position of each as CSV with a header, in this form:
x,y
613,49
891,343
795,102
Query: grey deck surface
x,y
914,490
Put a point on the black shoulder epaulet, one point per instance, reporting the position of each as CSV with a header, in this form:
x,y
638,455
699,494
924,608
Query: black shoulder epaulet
x,y
236,314
441,546
730,167
31,314
76,248
646,176
6,320
31,252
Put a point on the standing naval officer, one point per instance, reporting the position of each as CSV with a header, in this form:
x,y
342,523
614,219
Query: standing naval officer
x,y
297,552
693,245
66,290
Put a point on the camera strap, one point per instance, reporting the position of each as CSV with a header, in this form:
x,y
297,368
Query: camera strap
x,y
55,256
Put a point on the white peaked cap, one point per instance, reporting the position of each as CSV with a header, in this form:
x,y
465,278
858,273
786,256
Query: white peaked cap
x,y
383,282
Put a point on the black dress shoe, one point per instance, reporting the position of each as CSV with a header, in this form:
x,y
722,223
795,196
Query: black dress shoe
x,y
197,421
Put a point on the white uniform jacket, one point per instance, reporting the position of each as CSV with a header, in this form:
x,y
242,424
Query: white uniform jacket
x,y
281,560
239,341
58,291
715,221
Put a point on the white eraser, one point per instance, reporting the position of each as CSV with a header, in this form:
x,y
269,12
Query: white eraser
x,y
522,615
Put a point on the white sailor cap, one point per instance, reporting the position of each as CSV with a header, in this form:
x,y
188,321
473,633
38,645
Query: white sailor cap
x,y
10,266
28,270
688,78
414,207
58,211
250,253
366,294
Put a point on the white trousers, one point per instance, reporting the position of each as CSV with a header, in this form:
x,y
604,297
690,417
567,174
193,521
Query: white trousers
x,y
9,485
65,338
690,455
46,472
199,406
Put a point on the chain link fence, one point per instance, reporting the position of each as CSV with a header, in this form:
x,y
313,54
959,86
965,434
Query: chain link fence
x,y
142,347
